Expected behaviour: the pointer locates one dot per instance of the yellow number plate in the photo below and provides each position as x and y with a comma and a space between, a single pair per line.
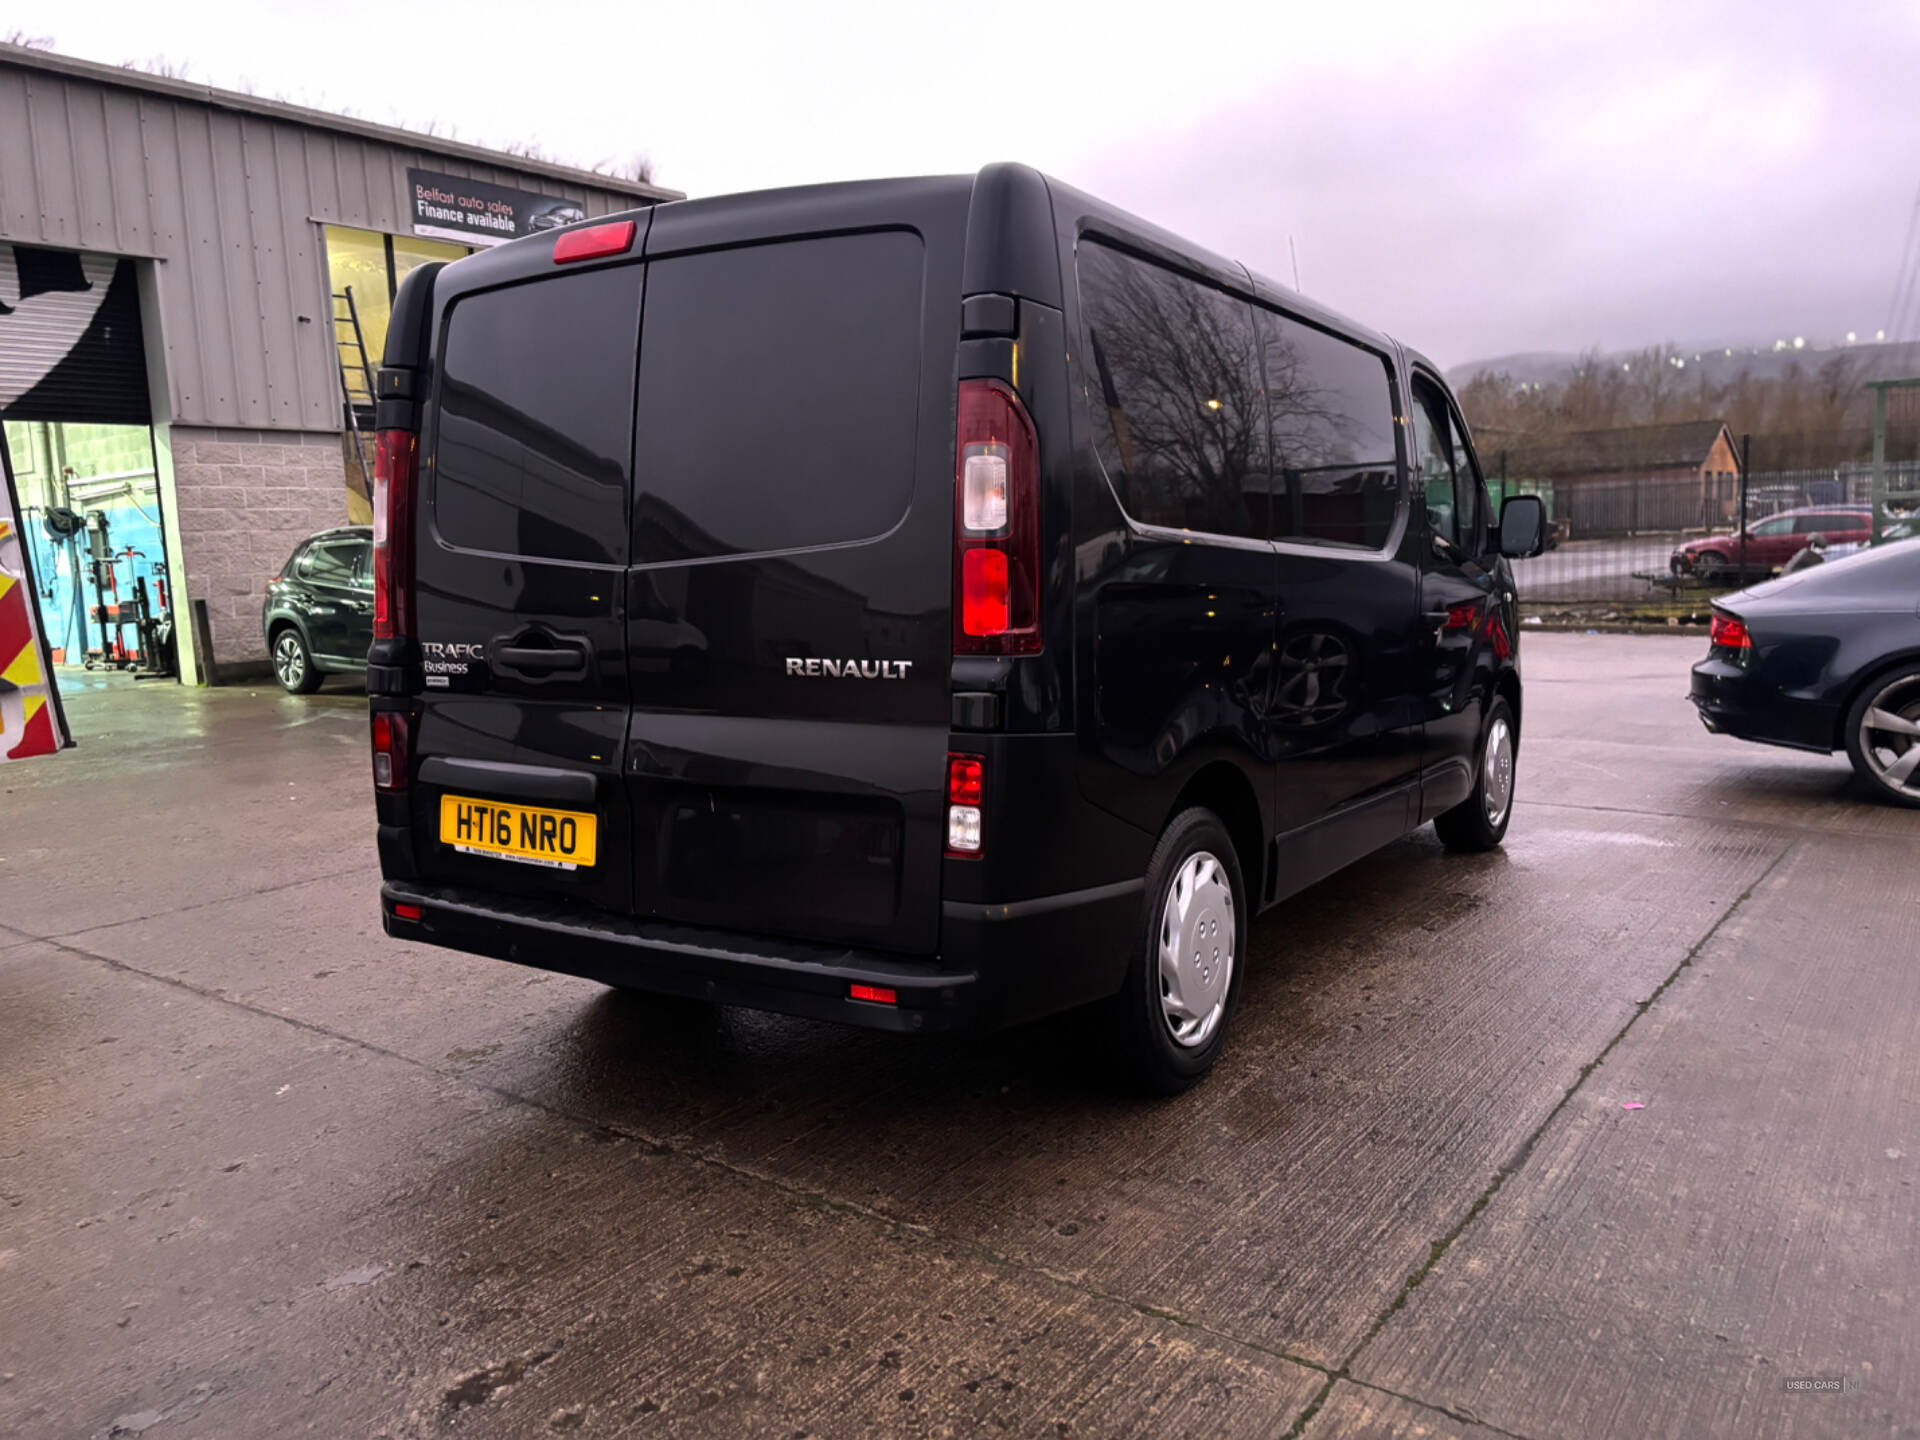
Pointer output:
559, 839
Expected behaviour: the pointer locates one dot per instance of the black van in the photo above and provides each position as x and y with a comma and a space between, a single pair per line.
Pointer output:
916, 603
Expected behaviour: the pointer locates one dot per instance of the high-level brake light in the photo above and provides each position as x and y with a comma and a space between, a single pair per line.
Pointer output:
593, 242
996, 524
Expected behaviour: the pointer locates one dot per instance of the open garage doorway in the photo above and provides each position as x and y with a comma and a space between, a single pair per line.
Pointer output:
75, 401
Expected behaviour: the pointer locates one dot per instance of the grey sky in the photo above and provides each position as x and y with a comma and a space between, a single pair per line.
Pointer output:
1476, 179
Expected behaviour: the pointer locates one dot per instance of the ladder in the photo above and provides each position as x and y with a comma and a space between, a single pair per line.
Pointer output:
356, 375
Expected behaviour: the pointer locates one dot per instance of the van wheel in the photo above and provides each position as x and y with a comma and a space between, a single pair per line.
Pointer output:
293, 667
1479, 822
1171, 1016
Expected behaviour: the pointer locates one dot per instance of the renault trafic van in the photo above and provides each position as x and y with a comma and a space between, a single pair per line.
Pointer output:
917, 603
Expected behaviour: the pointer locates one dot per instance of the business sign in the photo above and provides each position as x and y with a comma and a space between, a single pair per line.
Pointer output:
474, 212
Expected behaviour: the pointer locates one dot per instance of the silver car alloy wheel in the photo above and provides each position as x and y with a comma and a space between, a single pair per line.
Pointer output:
1890, 735
289, 660
1196, 949
1497, 781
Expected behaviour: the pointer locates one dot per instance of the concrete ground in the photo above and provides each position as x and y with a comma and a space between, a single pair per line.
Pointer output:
265, 1172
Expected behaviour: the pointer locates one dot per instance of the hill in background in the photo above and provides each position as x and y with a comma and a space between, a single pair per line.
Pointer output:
1804, 409
1719, 363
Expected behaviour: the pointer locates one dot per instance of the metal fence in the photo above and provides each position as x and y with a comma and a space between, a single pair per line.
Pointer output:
1660, 540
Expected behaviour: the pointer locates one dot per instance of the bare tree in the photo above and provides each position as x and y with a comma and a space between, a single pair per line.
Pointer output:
637, 167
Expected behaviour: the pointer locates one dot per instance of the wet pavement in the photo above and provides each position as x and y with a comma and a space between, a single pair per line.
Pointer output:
263, 1171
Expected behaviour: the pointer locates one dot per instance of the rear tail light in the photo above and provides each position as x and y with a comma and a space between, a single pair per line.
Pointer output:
966, 794
406, 912
396, 468
986, 596
1729, 632
875, 994
389, 750
996, 524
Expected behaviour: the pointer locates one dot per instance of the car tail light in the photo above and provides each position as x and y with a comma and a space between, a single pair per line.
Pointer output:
389, 750
1729, 632
593, 242
406, 912
396, 467
876, 994
966, 795
996, 524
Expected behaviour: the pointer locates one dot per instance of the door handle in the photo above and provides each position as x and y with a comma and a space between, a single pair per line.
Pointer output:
558, 659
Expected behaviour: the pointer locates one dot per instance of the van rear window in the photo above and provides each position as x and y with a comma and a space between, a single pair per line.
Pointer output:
779, 390
1180, 422
535, 417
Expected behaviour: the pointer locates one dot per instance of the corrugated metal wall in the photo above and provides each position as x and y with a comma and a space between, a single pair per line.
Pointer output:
230, 204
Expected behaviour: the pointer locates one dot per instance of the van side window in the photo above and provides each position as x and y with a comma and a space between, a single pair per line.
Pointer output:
536, 417
779, 396
1177, 415
1336, 465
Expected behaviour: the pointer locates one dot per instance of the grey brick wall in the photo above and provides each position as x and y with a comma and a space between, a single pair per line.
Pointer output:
246, 497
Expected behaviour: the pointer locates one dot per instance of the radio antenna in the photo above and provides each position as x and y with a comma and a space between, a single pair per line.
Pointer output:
1295, 256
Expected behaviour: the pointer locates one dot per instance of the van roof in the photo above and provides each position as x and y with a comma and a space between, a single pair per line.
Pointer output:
1012, 214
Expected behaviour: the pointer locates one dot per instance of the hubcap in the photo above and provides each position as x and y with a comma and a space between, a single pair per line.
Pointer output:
1497, 782
1890, 735
1196, 949
288, 663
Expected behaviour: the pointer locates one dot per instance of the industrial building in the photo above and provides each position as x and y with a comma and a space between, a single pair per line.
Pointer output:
194, 288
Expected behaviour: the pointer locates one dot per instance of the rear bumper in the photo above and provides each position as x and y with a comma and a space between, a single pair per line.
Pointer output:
1733, 700
998, 964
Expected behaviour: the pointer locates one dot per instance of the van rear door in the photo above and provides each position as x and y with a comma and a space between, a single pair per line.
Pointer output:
789, 617
521, 533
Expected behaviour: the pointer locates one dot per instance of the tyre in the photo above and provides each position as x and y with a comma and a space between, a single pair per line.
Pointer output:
1883, 736
1711, 566
293, 667
1479, 822
1172, 1014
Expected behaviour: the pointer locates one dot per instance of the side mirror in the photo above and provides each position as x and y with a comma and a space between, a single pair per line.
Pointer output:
1523, 527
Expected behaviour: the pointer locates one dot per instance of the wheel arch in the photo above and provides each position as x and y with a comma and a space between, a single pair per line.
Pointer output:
1866, 680
284, 621
1224, 789
1508, 689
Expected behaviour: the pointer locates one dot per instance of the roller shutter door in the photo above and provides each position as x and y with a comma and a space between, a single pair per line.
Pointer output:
70, 344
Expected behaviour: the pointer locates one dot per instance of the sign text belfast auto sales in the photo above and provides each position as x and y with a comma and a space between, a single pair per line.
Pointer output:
474, 212
478, 212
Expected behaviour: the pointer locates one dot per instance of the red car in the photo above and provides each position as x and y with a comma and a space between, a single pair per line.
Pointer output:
1775, 540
